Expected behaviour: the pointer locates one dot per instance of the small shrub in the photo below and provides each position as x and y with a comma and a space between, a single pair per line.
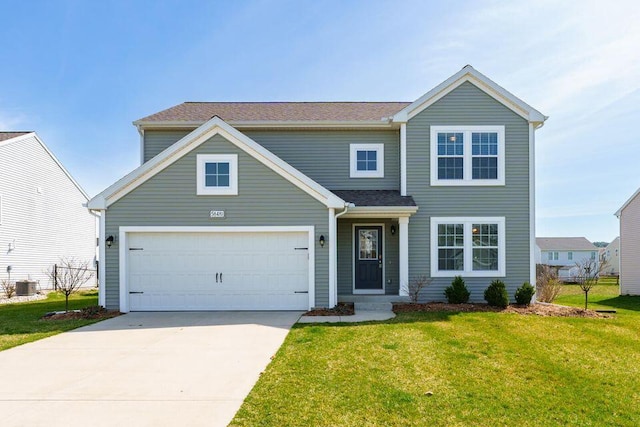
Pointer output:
548, 286
457, 293
496, 294
416, 285
524, 294
8, 288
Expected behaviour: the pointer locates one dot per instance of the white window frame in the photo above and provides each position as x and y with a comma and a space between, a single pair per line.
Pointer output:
202, 189
467, 172
468, 247
353, 160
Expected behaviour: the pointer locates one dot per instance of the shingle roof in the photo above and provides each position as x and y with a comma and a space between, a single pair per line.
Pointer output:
374, 197
9, 135
278, 111
565, 244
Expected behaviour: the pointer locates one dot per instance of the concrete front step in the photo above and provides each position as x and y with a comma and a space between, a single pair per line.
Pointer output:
372, 298
372, 306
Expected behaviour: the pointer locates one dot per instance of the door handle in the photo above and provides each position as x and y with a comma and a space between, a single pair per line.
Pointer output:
216, 277
220, 277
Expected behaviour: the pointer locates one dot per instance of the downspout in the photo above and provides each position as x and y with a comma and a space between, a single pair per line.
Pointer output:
333, 253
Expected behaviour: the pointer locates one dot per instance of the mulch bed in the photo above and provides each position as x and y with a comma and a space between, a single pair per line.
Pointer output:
533, 309
342, 309
93, 312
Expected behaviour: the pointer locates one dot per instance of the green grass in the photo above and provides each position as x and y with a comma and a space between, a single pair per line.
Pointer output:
484, 369
21, 323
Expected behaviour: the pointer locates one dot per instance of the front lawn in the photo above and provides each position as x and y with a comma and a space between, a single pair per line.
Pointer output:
21, 323
481, 369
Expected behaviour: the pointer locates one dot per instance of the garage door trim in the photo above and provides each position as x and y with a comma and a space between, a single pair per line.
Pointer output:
124, 246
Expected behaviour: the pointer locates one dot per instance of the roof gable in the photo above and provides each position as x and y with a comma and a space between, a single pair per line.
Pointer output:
631, 199
470, 74
7, 138
214, 126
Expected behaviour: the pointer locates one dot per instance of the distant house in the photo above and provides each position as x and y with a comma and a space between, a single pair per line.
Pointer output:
564, 253
42, 213
629, 215
612, 257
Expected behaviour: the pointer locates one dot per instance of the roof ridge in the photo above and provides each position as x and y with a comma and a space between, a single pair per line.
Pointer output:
296, 102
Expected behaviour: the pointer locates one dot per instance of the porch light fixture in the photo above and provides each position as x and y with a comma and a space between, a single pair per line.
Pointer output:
393, 230
109, 241
321, 241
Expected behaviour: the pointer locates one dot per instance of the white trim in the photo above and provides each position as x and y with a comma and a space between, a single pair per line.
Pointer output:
353, 161
102, 255
55, 159
380, 211
201, 187
123, 245
1, 208
532, 208
470, 74
467, 179
141, 132
403, 159
333, 249
353, 260
316, 124
619, 211
403, 255
468, 246
215, 126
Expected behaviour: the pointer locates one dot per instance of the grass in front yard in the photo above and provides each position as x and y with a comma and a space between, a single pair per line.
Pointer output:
21, 322
484, 369
604, 296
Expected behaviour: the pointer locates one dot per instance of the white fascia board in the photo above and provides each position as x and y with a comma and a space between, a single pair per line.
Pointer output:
55, 159
468, 73
619, 211
194, 139
270, 124
380, 212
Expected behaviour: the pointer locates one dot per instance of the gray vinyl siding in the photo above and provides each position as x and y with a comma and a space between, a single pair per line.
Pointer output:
468, 105
155, 141
322, 155
264, 199
346, 255
42, 213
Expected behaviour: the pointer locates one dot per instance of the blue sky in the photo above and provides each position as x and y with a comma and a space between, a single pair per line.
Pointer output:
79, 72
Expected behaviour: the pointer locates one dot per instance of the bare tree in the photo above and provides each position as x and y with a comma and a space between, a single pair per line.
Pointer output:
587, 275
69, 275
8, 287
415, 286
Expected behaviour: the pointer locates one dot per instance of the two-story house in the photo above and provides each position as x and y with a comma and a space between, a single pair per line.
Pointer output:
293, 205
566, 253
612, 257
629, 216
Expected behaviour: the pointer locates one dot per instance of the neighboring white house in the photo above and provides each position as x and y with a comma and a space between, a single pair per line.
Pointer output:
629, 215
612, 256
42, 217
565, 253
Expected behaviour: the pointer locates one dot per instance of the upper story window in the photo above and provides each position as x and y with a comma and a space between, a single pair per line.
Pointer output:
570, 256
473, 247
217, 174
366, 160
467, 155
553, 256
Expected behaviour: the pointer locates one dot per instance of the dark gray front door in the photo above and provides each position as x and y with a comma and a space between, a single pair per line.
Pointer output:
368, 259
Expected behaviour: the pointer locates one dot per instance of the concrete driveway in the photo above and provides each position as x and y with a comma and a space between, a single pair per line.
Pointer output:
141, 369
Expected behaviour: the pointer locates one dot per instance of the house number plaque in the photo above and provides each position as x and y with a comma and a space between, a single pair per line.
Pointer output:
216, 214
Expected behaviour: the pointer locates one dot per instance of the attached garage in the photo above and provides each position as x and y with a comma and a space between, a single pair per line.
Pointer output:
216, 268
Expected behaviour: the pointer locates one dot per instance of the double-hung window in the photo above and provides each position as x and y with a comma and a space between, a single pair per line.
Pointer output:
467, 155
366, 160
217, 174
472, 247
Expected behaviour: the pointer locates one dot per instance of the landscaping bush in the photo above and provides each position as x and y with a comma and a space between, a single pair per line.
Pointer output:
496, 294
9, 288
416, 285
524, 294
457, 293
547, 284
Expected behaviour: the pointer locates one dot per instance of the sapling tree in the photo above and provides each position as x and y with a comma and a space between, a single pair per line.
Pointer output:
587, 275
69, 275
8, 287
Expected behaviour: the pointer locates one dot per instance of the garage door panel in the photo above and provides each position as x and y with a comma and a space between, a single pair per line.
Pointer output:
178, 271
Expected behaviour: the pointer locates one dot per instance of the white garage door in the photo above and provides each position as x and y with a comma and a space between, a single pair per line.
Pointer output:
218, 271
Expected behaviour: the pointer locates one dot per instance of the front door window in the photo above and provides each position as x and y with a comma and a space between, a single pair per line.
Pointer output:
368, 244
